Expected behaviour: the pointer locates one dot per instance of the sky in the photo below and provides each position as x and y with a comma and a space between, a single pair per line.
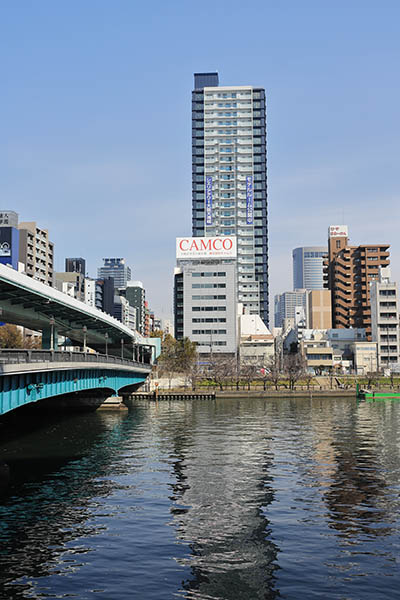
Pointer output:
95, 135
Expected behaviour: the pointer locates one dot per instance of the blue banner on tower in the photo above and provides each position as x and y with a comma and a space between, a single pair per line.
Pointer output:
249, 200
208, 200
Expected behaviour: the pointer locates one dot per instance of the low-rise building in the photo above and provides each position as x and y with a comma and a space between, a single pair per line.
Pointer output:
318, 354
256, 342
364, 357
76, 279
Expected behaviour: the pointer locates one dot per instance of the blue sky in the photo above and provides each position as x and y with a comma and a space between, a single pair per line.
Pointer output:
95, 122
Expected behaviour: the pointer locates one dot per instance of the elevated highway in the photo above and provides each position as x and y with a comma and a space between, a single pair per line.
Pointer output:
29, 303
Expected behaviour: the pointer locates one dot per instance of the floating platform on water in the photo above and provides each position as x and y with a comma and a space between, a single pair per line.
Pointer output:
365, 394
173, 396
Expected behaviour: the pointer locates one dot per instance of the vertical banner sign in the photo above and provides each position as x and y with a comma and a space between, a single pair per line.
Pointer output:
249, 200
208, 200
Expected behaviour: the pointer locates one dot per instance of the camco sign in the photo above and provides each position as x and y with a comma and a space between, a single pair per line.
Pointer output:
338, 231
206, 247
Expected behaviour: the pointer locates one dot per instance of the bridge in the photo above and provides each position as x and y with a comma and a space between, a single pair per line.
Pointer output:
120, 359
65, 380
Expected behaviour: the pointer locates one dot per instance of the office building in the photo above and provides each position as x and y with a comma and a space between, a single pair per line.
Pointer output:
75, 265
117, 269
308, 267
286, 303
385, 319
205, 307
136, 296
348, 273
104, 295
229, 179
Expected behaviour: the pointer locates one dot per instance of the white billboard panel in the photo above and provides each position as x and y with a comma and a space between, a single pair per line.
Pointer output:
338, 231
206, 247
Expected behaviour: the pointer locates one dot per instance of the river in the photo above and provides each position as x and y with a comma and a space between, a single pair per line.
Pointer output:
233, 499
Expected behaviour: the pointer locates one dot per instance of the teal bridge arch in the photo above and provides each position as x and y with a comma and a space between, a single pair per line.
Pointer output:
30, 376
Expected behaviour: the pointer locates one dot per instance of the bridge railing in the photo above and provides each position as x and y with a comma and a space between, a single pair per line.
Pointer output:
9, 356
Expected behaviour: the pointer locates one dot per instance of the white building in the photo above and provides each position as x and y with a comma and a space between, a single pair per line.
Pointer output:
205, 305
256, 341
385, 318
90, 292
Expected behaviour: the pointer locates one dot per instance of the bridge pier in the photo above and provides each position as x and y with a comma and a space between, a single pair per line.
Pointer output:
50, 338
113, 403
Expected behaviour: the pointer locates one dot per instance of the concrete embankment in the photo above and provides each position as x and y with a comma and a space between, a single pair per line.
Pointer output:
206, 395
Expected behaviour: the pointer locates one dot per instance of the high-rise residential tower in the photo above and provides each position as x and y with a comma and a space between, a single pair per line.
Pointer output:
348, 273
229, 179
308, 267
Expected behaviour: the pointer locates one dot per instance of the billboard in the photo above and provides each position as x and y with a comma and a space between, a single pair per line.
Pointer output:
249, 200
206, 247
8, 218
5, 241
338, 231
208, 200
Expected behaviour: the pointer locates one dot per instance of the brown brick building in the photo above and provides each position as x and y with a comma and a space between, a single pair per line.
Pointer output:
348, 271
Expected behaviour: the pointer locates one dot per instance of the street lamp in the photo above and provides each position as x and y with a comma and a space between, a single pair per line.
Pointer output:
122, 348
84, 329
106, 336
52, 323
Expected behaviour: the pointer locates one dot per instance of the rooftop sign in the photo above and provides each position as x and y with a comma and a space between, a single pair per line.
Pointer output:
206, 247
338, 231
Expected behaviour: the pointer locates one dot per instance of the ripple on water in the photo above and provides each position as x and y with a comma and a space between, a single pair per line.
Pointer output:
222, 500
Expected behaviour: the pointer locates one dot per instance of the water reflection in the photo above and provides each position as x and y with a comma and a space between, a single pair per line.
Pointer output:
221, 496
52, 485
217, 500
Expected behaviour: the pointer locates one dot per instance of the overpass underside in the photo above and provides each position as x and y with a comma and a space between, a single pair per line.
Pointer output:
30, 304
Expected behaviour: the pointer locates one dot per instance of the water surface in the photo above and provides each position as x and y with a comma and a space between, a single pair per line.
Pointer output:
214, 500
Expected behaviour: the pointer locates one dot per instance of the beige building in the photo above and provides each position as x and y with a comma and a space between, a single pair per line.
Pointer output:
318, 354
319, 309
364, 357
36, 252
64, 281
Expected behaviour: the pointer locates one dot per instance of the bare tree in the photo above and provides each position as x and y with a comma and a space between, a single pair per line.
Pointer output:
273, 370
221, 369
194, 373
294, 367
248, 372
